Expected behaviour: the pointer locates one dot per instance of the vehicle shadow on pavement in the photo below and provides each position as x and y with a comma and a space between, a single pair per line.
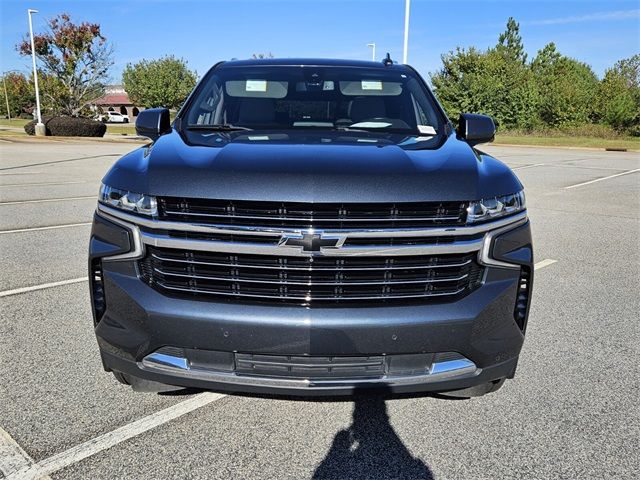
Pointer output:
370, 448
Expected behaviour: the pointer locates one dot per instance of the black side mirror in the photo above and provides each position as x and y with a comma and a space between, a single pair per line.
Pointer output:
153, 122
476, 128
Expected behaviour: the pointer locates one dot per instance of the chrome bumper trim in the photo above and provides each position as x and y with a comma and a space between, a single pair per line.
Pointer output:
179, 367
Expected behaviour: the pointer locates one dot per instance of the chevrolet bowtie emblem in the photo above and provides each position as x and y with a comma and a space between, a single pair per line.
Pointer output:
310, 242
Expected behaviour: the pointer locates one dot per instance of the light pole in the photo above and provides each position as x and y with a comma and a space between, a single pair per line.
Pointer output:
373, 53
40, 130
407, 8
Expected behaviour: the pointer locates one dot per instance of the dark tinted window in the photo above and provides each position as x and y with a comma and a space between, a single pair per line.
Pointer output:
274, 97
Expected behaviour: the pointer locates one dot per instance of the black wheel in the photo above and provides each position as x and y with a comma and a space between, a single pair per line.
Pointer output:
121, 377
126, 120
142, 385
477, 391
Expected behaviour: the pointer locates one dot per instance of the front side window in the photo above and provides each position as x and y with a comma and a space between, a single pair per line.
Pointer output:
312, 97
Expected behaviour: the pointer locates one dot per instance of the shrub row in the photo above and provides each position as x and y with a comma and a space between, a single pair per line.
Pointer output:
69, 127
552, 91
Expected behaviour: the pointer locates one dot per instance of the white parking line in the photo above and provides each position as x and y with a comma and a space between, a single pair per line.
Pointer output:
44, 200
17, 291
603, 178
528, 166
50, 227
40, 184
12, 457
110, 439
544, 263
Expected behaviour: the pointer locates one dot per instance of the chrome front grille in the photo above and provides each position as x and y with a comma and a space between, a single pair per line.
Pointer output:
223, 259
312, 215
309, 280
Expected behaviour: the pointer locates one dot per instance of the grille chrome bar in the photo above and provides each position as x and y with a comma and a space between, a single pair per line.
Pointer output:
159, 240
305, 298
309, 283
276, 232
320, 219
308, 269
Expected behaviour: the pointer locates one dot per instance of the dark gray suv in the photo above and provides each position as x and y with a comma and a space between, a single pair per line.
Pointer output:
311, 227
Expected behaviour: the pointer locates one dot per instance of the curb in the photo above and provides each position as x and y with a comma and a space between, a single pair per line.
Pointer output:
597, 149
132, 139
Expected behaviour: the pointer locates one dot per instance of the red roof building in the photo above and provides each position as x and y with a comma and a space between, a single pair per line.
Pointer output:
116, 100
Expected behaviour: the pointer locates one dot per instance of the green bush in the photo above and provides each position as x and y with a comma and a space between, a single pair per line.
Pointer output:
596, 130
489, 83
69, 127
619, 96
551, 93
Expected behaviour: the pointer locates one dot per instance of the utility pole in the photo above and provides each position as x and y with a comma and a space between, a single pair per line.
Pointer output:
407, 8
373, 53
40, 130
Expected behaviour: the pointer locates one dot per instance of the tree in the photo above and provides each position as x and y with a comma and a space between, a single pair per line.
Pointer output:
510, 43
566, 88
496, 82
486, 82
546, 58
260, 56
75, 59
619, 95
20, 94
164, 82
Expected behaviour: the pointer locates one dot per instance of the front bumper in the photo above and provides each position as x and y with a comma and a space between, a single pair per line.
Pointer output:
133, 321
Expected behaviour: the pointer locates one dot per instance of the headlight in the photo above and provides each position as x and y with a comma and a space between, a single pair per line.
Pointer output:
129, 201
490, 208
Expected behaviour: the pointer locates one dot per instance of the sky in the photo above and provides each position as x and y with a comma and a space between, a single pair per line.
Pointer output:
207, 31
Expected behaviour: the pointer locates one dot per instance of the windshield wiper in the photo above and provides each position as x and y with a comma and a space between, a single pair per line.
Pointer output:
217, 128
376, 130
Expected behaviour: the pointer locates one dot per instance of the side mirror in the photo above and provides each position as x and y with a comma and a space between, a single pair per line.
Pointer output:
153, 122
476, 128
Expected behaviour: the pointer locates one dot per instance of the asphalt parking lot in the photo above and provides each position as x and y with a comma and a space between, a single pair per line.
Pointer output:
571, 412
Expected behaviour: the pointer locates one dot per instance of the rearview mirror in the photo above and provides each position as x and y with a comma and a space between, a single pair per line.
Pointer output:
476, 128
153, 122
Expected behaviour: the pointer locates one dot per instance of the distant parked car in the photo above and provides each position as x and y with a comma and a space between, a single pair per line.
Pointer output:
114, 117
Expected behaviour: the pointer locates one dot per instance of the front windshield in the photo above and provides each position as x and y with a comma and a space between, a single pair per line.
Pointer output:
313, 97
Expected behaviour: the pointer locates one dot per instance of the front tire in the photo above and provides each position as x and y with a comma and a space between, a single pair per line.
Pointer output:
475, 391
142, 385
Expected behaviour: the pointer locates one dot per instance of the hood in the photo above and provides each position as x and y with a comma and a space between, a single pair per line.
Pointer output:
327, 170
